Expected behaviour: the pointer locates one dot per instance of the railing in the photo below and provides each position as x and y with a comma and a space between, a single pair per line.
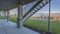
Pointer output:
27, 7
35, 8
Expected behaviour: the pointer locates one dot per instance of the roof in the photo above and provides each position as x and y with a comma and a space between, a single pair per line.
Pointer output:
12, 4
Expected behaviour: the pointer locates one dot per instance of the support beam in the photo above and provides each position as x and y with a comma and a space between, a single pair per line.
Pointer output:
49, 17
4, 14
0, 14
8, 15
20, 16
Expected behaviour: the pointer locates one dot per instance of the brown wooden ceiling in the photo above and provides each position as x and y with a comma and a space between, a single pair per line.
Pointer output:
11, 4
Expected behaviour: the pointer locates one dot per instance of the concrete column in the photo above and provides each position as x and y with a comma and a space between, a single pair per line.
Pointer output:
20, 16
4, 14
0, 14
8, 15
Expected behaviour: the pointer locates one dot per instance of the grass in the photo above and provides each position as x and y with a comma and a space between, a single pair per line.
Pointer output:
13, 19
1, 17
38, 24
41, 24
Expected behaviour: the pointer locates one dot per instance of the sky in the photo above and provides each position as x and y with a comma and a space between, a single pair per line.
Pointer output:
55, 7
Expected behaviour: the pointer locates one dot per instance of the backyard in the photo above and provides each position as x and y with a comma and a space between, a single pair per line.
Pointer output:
40, 24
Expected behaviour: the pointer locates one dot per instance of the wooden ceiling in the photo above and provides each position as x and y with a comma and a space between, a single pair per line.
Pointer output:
11, 4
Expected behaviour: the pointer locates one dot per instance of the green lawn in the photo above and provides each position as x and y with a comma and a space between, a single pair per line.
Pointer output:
13, 19
41, 24
1, 17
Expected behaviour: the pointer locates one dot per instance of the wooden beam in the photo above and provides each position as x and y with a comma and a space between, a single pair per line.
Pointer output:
8, 15
4, 14
20, 16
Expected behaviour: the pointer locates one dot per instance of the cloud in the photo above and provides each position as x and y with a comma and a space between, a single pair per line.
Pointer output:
48, 12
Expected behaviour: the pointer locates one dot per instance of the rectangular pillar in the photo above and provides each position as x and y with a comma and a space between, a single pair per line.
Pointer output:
8, 15
4, 14
0, 14
20, 16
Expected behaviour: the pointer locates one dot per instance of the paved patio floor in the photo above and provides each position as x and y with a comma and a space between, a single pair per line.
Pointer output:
10, 28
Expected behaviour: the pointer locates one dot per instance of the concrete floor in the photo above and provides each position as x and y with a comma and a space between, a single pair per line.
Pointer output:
10, 28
